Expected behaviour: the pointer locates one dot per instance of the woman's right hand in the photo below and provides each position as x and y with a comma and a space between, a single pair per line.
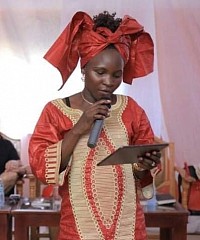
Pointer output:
98, 110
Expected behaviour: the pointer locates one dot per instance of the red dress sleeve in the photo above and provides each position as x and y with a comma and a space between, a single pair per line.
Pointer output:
142, 134
45, 144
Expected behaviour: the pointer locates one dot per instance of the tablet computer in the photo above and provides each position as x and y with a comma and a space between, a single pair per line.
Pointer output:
129, 154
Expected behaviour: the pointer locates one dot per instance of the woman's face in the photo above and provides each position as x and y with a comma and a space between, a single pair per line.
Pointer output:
103, 74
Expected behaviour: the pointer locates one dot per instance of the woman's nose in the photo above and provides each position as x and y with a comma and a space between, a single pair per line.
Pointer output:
108, 80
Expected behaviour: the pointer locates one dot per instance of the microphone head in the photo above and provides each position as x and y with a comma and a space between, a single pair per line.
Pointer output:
108, 105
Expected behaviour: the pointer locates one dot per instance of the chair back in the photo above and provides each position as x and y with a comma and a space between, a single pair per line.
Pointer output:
165, 181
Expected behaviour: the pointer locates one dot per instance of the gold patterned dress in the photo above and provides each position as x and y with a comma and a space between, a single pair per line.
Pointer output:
97, 202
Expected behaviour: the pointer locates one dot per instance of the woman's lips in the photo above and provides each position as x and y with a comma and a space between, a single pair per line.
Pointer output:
105, 94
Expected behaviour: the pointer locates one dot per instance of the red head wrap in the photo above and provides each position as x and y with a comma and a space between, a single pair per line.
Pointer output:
79, 40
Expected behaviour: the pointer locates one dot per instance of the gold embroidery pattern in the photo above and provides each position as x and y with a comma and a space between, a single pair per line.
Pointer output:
72, 114
120, 136
52, 159
81, 208
95, 193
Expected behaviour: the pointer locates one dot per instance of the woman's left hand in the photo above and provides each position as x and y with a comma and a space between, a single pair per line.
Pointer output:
150, 160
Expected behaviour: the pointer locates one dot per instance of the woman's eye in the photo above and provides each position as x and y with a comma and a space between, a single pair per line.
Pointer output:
100, 72
118, 75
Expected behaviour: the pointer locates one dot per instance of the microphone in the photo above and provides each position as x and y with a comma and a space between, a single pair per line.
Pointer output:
95, 132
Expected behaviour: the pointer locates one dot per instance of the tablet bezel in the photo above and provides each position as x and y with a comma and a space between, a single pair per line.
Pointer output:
129, 154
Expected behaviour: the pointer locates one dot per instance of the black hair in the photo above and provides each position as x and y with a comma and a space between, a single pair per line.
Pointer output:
105, 19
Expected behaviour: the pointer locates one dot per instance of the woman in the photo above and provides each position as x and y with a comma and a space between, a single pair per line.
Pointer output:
97, 202
10, 165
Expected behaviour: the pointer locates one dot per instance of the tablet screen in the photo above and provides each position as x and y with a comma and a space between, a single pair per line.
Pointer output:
129, 154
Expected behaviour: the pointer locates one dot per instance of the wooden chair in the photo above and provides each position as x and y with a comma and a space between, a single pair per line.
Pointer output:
165, 181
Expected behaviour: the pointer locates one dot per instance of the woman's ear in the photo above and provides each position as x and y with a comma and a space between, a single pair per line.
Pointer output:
83, 74
83, 71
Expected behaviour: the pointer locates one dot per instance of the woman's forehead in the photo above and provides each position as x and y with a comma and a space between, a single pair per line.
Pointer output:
108, 56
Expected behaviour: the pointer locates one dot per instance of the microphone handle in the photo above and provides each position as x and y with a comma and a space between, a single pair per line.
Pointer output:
94, 135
